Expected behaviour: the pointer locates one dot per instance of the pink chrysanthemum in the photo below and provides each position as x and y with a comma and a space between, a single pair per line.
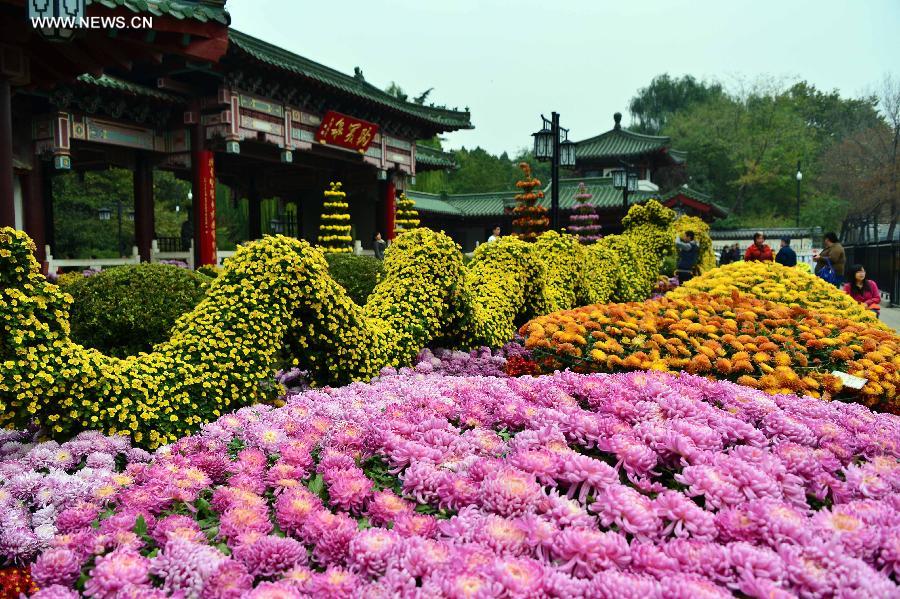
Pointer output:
385, 506
293, 507
334, 583
627, 509
238, 521
349, 490
56, 591
274, 590
184, 565
271, 555
585, 552
56, 566
372, 550
230, 581
418, 525
520, 577
469, 585
177, 527
502, 535
114, 571
510, 492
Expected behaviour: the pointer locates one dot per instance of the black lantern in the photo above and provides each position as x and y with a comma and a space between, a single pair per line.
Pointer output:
130, 215
619, 179
632, 182
567, 153
543, 142
104, 213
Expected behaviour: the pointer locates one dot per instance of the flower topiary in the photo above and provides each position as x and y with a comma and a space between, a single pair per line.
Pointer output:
274, 305
334, 231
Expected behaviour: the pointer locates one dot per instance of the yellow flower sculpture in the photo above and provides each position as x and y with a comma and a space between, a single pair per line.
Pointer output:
274, 303
758, 343
334, 230
407, 217
783, 284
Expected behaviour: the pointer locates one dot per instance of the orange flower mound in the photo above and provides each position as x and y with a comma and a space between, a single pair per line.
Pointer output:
757, 343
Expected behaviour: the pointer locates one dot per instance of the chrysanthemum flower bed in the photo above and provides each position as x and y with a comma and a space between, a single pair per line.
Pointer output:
760, 344
771, 281
640, 484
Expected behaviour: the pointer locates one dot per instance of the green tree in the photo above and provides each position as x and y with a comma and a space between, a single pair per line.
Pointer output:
653, 106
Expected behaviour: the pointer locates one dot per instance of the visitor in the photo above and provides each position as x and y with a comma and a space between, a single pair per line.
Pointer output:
759, 250
495, 236
187, 233
736, 253
786, 255
832, 255
863, 289
726, 257
379, 246
688, 254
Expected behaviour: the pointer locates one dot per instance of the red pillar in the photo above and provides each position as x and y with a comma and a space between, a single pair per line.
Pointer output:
204, 192
144, 219
33, 204
7, 202
390, 208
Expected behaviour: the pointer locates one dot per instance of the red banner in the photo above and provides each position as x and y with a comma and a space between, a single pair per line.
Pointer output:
206, 214
346, 131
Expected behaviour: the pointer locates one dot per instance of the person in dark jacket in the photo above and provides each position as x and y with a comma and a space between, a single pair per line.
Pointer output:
786, 255
688, 255
727, 256
379, 246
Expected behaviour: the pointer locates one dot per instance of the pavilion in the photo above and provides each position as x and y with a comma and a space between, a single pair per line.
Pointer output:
209, 103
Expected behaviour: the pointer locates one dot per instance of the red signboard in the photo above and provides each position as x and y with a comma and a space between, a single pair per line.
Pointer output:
207, 207
346, 131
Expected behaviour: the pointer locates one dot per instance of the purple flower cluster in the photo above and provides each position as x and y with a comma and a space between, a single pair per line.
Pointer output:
49, 488
478, 362
420, 485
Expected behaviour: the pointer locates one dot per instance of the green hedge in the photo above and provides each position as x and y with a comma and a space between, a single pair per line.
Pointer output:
358, 275
126, 310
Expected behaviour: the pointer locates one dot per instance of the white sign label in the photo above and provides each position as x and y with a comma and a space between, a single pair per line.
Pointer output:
850, 381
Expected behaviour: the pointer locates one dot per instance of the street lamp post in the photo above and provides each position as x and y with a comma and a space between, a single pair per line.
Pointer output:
626, 180
552, 143
799, 178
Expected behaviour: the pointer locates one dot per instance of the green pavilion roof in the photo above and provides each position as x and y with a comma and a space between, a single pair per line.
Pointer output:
444, 118
605, 196
432, 158
128, 87
622, 143
198, 10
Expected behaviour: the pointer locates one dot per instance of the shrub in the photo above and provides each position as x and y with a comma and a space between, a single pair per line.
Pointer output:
757, 343
783, 284
358, 275
126, 310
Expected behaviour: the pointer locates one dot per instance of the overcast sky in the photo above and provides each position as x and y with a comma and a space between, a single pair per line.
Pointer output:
509, 61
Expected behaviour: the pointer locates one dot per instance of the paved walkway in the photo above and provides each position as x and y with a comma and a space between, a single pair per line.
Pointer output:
891, 317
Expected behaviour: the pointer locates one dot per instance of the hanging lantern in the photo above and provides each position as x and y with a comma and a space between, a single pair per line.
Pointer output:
543, 143
567, 153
